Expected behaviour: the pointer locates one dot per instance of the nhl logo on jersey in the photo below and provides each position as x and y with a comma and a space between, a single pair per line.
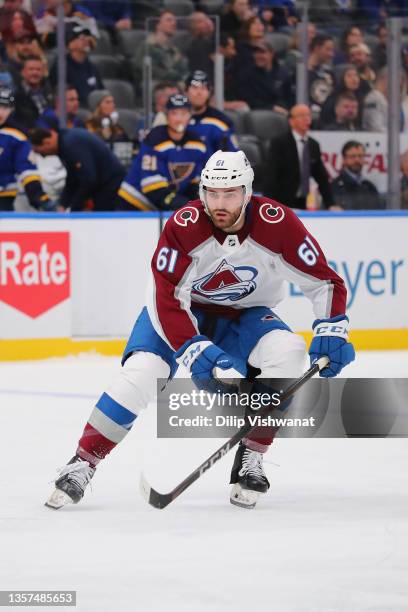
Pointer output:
226, 283
271, 214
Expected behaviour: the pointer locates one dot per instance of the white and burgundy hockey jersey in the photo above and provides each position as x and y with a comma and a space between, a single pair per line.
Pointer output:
198, 265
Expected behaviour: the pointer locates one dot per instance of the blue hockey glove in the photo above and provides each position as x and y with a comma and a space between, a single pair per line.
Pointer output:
330, 338
201, 357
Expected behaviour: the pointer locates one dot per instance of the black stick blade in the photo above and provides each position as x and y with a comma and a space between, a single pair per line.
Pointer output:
154, 498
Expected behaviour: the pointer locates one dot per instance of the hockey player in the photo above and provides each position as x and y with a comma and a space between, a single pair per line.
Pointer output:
17, 169
217, 272
166, 172
214, 127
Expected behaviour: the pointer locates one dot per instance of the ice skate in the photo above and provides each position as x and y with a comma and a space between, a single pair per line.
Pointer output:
71, 483
248, 478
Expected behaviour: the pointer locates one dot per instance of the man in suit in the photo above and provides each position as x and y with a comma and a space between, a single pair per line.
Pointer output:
293, 158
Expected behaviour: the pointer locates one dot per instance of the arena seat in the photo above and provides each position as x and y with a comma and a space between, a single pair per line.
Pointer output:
130, 41
181, 8
103, 44
109, 67
264, 124
122, 92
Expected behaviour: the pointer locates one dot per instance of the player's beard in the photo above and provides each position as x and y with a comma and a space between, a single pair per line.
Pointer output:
223, 219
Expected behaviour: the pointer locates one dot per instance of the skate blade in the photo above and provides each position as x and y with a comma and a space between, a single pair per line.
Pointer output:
58, 500
244, 498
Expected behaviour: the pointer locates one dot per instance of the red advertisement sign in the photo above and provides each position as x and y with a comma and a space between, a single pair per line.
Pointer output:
34, 270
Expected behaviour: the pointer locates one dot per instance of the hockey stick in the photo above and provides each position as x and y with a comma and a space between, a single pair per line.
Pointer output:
161, 500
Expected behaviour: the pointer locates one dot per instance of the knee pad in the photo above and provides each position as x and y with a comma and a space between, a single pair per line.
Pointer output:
279, 354
136, 384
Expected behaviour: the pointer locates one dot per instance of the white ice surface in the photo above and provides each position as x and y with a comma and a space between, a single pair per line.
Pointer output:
330, 536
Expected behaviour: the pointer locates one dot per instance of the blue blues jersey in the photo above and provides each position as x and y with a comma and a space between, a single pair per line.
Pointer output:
17, 169
165, 173
216, 130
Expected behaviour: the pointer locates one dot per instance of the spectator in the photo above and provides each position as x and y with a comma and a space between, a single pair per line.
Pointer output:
168, 63
51, 117
349, 82
111, 14
351, 191
375, 110
351, 36
321, 78
34, 95
23, 45
46, 20
293, 54
104, 119
81, 72
236, 13
16, 165
93, 172
379, 55
228, 51
13, 22
360, 57
251, 35
278, 15
202, 47
166, 172
346, 113
213, 126
161, 93
404, 180
260, 86
293, 158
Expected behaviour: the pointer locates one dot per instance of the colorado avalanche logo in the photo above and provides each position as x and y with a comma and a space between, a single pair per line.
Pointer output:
226, 283
185, 215
271, 214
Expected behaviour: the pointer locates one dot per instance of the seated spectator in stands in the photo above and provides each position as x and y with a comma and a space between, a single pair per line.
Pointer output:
212, 125
379, 54
34, 94
168, 63
81, 72
201, 50
51, 118
166, 172
104, 121
350, 37
360, 57
260, 86
228, 49
294, 52
13, 22
293, 158
46, 20
321, 78
111, 13
93, 172
251, 35
23, 45
278, 15
375, 109
16, 163
349, 82
236, 13
346, 114
351, 191
404, 180
161, 93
